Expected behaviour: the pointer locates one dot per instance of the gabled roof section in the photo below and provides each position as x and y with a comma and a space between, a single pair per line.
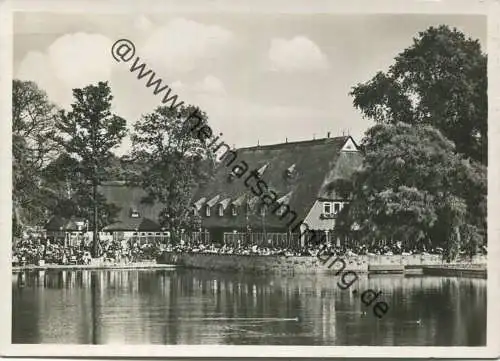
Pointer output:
199, 203
225, 203
240, 200
128, 198
285, 199
313, 162
262, 169
350, 146
213, 201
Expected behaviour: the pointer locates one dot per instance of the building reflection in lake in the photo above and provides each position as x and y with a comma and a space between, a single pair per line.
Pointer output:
200, 307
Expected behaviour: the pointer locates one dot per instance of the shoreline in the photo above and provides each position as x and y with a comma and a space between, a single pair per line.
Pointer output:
276, 264
397, 264
117, 266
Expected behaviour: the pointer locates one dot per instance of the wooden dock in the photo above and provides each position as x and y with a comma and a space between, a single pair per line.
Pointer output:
455, 271
458, 270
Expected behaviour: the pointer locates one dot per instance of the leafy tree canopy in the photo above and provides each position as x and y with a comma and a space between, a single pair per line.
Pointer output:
441, 80
89, 133
34, 120
172, 163
414, 187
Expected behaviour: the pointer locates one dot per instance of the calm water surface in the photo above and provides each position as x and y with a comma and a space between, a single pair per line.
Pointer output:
201, 307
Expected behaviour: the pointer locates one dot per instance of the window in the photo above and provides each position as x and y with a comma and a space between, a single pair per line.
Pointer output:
327, 207
221, 210
134, 213
234, 211
207, 211
336, 207
158, 233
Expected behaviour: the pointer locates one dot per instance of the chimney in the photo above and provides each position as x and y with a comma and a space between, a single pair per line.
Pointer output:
314, 136
328, 135
286, 140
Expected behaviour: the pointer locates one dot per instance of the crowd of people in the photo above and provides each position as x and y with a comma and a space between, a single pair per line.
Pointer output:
39, 249
307, 250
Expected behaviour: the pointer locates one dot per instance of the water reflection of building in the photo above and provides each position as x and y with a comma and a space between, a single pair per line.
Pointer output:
186, 307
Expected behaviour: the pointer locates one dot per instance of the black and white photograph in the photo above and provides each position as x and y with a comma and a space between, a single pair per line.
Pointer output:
196, 176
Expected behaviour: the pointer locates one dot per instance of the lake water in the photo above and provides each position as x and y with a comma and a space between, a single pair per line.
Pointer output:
201, 307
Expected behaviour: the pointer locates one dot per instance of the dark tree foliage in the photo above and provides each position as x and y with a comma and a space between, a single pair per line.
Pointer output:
89, 133
33, 147
170, 163
424, 176
413, 187
441, 80
72, 197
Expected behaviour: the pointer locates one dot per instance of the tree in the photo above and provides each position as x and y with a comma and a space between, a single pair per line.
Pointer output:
89, 134
171, 163
33, 147
441, 80
414, 187
73, 195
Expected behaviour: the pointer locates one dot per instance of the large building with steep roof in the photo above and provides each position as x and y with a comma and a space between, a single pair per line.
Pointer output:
278, 193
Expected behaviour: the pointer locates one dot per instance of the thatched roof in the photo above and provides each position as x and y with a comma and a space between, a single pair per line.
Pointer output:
300, 172
129, 199
58, 223
134, 224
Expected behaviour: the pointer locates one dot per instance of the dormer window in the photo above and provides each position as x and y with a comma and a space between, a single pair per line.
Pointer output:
134, 213
234, 211
290, 172
262, 169
210, 204
221, 210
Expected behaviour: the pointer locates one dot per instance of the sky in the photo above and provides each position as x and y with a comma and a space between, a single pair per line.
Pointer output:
261, 78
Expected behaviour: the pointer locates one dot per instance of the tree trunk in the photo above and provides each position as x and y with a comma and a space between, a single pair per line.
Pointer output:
95, 181
95, 238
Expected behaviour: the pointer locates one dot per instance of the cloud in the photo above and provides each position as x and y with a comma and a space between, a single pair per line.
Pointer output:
143, 24
79, 59
71, 61
182, 44
297, 54
210, 85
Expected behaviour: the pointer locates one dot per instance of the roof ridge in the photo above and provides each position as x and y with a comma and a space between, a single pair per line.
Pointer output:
299, 142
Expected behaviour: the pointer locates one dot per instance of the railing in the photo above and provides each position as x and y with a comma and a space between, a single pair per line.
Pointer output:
269, 239
197, 237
